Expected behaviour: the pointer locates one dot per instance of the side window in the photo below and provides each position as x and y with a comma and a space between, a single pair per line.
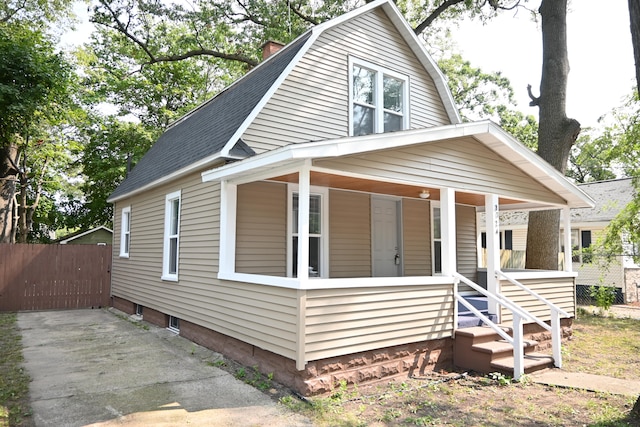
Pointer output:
171, 237
585, 243
508, 239
125, 232
379, 99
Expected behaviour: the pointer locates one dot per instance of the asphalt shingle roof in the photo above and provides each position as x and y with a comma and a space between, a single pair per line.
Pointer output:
206, 130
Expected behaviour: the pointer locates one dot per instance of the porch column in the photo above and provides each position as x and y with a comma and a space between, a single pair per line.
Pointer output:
228, 201
568, 249
492, 225
448, 230
304, 192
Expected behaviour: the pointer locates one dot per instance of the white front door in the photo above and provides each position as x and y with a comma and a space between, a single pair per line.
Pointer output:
386, 245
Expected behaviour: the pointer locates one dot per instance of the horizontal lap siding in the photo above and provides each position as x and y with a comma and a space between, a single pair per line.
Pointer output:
261, 246
349, 234
345, 321
259, 315
559, 291
313, 101
463, 163
416, 237
466, 238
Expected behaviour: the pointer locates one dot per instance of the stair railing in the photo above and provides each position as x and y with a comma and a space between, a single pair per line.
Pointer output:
519, 317
556, 312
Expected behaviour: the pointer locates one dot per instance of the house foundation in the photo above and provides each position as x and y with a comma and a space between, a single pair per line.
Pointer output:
321, 376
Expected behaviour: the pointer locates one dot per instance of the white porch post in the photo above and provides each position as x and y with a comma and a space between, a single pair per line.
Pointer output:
566, 221
304, 192
492, 226
228, 200
448, 230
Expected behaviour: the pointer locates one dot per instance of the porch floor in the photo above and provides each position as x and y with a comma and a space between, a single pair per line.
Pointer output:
466, 318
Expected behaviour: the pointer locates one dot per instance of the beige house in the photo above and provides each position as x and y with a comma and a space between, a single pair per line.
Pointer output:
317, 218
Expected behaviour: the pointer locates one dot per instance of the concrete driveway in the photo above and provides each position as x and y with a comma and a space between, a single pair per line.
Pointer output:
94, 367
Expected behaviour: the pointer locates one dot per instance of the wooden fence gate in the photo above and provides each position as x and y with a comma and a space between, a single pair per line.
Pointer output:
46, 277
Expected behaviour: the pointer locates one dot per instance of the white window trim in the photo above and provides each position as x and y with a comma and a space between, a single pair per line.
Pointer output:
379, 102
323, 192
167, 228
125, 233
435, 205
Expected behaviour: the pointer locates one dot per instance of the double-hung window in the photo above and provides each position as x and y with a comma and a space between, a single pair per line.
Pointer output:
171, 237
379, 99
125, 232
436, 230
317, 233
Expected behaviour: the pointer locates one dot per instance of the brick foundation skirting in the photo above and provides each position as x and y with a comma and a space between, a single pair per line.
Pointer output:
322, 376
319, 376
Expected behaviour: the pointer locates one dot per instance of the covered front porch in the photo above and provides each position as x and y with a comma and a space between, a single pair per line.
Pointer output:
310, 220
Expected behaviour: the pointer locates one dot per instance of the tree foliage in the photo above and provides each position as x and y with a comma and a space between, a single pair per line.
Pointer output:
34, 96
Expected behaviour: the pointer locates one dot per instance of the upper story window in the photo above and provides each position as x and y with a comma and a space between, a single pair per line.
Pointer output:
379, 99
125, 232
171, 236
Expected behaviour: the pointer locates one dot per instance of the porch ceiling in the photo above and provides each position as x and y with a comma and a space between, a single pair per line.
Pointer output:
386, 188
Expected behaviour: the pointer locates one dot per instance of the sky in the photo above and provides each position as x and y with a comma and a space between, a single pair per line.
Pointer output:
599, 45
600, 55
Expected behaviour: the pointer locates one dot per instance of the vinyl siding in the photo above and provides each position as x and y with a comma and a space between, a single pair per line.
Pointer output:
460, 164
264, 316
261, 245
344, 321
416, 237
313, 101
466, 238
560, 291
349, 234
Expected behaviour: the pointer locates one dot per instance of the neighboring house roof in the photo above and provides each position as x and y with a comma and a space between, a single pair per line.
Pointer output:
486, 132
212, 131
80, 234
610, 198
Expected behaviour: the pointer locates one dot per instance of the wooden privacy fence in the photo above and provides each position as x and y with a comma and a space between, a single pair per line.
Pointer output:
46, 277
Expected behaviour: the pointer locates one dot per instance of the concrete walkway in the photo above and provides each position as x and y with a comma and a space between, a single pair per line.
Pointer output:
590, 382
93, 367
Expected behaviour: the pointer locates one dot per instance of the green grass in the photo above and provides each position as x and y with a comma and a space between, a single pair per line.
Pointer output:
14, 382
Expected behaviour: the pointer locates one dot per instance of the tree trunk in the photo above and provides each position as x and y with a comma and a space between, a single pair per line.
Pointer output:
634, 17
556, 132
8, 176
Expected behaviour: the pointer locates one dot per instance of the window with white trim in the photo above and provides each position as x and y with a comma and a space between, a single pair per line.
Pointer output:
171, 237
379, 99
125, 232
436, 241
318, 250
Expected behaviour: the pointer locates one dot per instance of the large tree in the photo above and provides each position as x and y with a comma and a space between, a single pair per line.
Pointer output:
556, 132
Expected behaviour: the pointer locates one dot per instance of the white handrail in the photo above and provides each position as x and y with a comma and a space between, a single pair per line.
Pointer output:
519, 316
556, 312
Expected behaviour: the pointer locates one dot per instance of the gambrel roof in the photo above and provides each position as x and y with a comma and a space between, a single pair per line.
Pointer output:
213, 131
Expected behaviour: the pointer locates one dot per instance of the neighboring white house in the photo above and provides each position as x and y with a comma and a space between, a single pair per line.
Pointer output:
587, 225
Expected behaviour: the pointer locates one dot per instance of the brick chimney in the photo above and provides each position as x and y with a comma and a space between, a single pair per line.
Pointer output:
270, 47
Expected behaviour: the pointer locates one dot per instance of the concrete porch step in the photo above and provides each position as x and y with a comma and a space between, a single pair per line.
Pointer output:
501, 346
532, 362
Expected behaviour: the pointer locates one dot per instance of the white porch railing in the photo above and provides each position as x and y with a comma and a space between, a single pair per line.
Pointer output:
520, 315
556, 312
